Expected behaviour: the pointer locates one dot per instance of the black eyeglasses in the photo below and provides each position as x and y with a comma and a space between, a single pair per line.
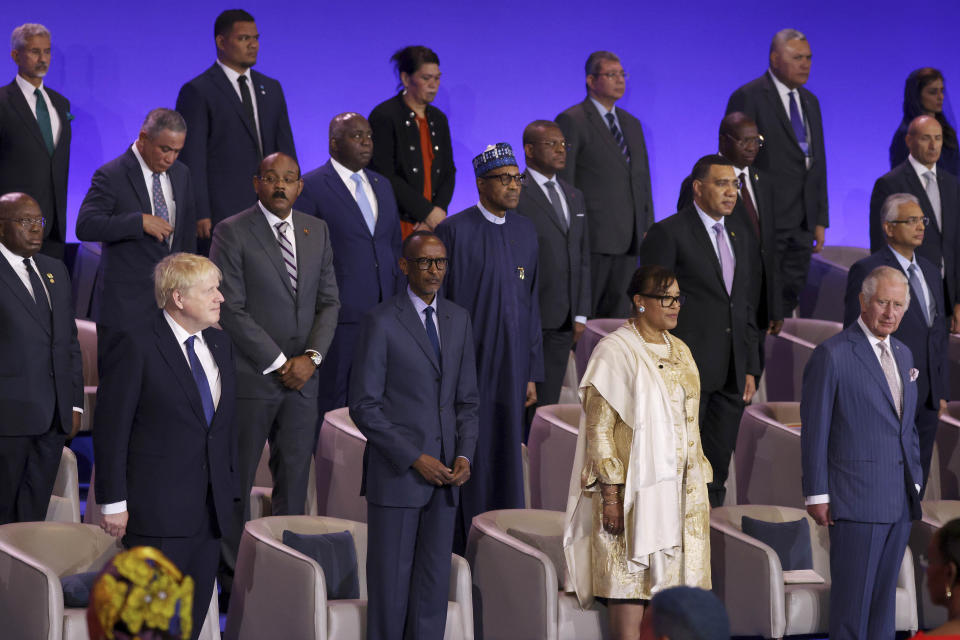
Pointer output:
506, 178
29, 223
912, 221
667, 301
424, 264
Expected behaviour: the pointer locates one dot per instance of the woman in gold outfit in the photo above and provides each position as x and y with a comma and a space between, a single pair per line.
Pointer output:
638, 513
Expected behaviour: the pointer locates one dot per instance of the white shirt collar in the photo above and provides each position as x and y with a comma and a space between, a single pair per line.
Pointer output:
273, 219
874, 340
233, 75
345, 173
708, 222
147, 171
541, 179
15, 261
904, 263
921, 168
28, 88
418, 302
782, 89
603, 110
489, 216
179, 332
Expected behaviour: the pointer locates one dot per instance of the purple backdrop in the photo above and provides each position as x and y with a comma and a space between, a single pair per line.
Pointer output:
505, 64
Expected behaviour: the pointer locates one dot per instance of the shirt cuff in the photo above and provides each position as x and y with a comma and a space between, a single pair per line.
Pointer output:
78, 410
276, 364
918, 488
113, 508
468, 461
580, 319
822, 498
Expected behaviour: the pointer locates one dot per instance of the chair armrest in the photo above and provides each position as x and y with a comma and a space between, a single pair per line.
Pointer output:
89, 408
748, 579
461, 592
906, 580
31, 598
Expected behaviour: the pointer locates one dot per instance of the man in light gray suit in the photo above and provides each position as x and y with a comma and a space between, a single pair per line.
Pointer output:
280, 310
607, 161
861, 456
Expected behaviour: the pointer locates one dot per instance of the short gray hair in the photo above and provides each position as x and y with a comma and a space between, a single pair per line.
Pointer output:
869, 288
784, 36
595, 58
20, 35
891, 206
162, 119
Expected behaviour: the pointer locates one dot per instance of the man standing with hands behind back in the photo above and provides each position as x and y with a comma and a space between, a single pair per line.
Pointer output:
413, 394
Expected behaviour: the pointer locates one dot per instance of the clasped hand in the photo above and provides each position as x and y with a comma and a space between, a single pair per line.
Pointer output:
438, 474
295, 372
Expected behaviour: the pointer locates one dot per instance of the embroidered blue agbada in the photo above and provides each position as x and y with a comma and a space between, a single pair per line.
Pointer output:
493, 274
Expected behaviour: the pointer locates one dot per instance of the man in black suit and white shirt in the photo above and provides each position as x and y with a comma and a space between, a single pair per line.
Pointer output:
792, 158
708, 250
35, 135
608, 163
558, 211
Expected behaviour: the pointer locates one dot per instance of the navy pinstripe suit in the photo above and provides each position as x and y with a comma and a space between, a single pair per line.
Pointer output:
856, 449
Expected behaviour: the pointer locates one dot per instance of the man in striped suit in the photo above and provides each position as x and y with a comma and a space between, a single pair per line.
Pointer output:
861, 456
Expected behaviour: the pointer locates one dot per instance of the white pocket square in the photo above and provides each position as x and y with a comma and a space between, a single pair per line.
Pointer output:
914, 374
579, 215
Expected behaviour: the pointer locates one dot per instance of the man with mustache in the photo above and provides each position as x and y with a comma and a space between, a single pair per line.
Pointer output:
35, 135
361, 213
280, 309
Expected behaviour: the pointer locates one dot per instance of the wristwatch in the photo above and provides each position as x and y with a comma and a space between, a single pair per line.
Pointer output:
314, 356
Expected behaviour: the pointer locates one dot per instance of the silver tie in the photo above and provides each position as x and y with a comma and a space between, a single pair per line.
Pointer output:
933, 193
286, 250
893, 380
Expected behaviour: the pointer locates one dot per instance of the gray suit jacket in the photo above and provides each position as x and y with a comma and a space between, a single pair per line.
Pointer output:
261, 313
618, 196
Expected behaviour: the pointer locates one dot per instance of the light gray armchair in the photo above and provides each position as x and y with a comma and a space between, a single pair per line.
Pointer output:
748, 578
65, 501
596, 330
768, 455
517, 591
339, 459
827, 282
280, 593
87, 337
261, 493
788, 353
551, 447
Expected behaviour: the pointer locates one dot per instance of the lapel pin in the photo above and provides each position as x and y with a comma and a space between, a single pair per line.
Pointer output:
263, 91
521, 273
50, 278
733, 235
306, 231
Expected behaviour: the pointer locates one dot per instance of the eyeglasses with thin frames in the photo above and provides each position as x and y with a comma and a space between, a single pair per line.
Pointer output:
29, 223
273, 180
912, 221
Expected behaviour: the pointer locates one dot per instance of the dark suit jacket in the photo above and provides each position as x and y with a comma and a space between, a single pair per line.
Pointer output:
853, 445
397, 156
937, 243
564, 256
261, 312
151, 440
712, 323
25, 163
407, 403
799, 194
928, 344
111, 214
365, 266
764, 245
618, 195
41, 370
221, 147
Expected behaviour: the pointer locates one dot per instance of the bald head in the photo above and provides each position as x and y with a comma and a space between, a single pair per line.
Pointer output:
739, 139
21, 224
351, 140
925, 140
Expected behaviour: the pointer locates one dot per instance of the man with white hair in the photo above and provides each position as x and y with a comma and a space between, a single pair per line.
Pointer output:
925, 323
35, 144
792, 157
860, 456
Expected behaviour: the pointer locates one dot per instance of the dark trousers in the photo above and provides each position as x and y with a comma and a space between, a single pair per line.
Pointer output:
927, 423
408, 568
864, 563
720, 413
556, 355
794, 248
28, 470
609, 278
196, 556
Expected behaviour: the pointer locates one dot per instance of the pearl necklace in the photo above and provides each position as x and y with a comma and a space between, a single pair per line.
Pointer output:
666, 339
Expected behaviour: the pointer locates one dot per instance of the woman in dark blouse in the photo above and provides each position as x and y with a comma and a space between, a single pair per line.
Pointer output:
411, 142
924, 96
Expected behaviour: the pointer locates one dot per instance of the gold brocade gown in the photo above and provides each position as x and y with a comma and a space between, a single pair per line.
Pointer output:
608, 454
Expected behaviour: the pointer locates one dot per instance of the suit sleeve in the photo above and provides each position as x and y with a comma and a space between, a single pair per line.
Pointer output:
328, 301
76, 355
368, 378
685, 199
816, 415
658, 248
644, 174
584, 308
574, 142
284, 131
468, 397
823, 210
880, 193
188, 209
99, 221
740, 101
247, 335
851, 299
193, 107
383, 162
535, 327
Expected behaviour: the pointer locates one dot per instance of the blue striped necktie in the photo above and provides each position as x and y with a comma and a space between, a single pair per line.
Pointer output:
286, 250
618, 136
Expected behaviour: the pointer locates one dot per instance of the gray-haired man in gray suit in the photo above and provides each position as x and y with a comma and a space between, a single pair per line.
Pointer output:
281, 306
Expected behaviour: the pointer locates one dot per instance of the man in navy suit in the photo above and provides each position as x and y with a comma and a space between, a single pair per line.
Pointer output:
35, 135
360, 210
861, 456
164, 436
924, 325
413, 394
40, 362
140, 205
236, 117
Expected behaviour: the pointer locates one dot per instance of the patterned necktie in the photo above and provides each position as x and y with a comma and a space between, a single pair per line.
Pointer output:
286, 250
363, 202
555, 201
43, 119
618, 136
890, 373
748, 202
933, 193
247, 100
200, 379
159, 202
432, 332
918, 293
797, 123
39, 293
726, 258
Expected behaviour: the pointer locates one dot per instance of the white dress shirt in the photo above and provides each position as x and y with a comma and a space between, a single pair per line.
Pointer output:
905, 265
28, 90
232, 76
708, 222
165, 186
273, 220
491, 217
210, 370
351, 186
